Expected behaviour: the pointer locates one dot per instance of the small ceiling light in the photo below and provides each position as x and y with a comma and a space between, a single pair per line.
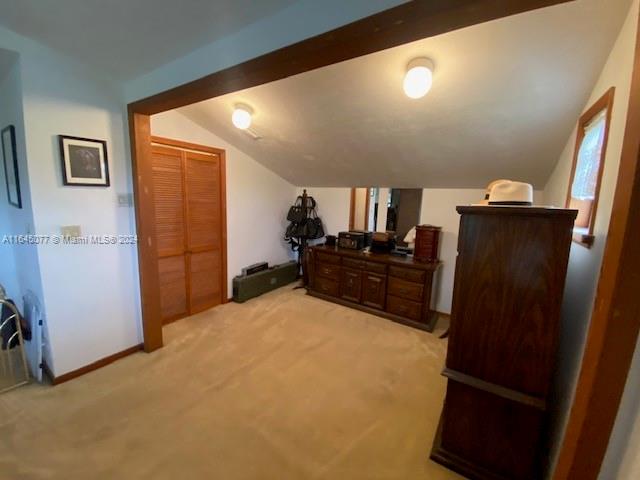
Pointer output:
241, 117
419, 78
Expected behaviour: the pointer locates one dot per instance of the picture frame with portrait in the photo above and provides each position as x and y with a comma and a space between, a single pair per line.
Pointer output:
84, 161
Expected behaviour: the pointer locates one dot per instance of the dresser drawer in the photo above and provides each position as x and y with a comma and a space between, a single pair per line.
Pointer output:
351, 263
404, 308
410, 274
328, 258
327, 286
404, 289
328, 271
375, 267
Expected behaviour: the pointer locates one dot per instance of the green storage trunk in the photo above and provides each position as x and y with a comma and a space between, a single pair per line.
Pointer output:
246, 287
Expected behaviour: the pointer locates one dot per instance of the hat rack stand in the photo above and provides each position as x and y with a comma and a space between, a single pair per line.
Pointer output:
299, 242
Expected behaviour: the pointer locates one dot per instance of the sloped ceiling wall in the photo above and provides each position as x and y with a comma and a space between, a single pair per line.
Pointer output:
505, 99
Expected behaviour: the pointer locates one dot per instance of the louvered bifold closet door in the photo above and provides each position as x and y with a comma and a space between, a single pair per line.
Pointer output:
203, 191
169, 212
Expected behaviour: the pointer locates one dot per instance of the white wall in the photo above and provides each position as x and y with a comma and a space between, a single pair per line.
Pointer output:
584, 264
439, 208
89, 293
10, 114
257, 199
19, 270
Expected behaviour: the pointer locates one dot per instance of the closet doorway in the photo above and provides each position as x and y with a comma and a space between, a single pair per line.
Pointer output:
190, 221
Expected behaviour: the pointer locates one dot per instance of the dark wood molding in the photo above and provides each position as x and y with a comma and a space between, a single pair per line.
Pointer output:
603, 103
91, 367
615, 322
367, 205
499, 390
405, 23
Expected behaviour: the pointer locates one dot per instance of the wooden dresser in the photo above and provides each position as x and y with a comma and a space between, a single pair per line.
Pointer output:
509, 281
393, 287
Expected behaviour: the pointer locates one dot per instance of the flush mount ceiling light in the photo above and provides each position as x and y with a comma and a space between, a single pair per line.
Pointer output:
419, 78
241, 117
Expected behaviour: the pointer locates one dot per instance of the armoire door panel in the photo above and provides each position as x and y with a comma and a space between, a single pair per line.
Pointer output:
205, 280
173, 287
168, 200
510, 277
203, 192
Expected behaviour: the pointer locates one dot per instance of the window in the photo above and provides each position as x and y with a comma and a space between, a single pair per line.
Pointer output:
588, 164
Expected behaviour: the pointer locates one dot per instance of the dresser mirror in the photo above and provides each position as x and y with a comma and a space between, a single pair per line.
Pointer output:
380, 209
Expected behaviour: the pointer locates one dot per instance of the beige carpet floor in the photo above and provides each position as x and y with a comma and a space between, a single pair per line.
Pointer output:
282, 387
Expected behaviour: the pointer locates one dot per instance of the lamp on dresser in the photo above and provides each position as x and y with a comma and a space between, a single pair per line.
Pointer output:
509, 281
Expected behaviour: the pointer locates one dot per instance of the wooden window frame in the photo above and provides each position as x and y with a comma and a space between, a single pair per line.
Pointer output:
604, 103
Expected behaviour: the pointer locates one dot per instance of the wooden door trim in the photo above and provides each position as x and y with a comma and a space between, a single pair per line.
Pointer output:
352, 209
367, 205
615, 322
142, 167
181, 144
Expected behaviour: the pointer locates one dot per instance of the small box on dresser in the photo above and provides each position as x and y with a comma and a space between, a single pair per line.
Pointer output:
509, 281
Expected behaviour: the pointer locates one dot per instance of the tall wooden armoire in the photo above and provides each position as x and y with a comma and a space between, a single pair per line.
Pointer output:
509, 281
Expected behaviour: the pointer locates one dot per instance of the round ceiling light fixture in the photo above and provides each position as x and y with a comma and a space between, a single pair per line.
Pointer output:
419, 77
241, 117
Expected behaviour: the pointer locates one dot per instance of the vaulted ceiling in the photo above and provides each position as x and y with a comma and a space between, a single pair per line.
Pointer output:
505, 99
126, 38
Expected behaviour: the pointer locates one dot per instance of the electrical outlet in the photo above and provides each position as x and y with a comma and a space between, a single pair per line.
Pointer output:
71, 231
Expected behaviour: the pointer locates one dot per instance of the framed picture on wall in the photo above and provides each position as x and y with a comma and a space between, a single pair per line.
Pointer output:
84, 161
10, 161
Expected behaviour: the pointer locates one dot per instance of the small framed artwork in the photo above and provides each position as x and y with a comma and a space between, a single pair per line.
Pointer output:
84, 161
10, 161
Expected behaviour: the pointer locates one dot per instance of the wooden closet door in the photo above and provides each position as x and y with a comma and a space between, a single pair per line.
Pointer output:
169, 212
204, 216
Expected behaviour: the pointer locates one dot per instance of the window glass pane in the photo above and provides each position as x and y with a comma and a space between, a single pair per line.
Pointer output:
588, 164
